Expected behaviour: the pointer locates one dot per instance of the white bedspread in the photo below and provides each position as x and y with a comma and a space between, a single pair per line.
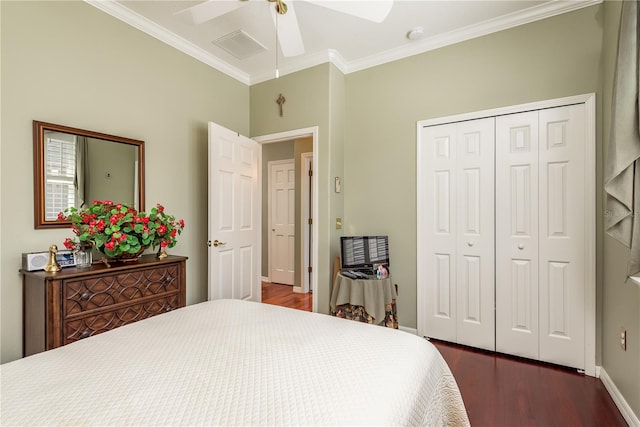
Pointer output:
230, 362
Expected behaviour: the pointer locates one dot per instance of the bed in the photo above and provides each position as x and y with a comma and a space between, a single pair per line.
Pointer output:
230, 362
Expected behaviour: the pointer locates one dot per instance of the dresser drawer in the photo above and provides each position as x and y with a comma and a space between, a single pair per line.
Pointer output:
91, 293
84, 327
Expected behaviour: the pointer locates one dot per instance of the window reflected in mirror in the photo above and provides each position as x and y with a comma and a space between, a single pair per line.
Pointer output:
73, 167
60, 170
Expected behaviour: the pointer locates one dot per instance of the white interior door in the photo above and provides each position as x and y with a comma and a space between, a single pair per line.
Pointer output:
517, 234
282, 238
475, 233
234, 215
437, 228
562, 238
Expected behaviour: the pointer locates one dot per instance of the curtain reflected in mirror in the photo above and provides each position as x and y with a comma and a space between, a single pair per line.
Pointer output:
73, 167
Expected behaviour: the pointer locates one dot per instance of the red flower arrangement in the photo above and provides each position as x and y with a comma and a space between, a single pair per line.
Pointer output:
118, 230
167, 228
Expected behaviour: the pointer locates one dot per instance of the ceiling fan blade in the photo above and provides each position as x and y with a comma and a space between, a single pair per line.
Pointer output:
208, 10
289, 35
371, 10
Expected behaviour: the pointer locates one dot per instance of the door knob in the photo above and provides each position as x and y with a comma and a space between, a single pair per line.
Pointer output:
217, 243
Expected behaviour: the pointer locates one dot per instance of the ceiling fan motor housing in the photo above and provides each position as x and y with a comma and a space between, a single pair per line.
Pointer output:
281, 7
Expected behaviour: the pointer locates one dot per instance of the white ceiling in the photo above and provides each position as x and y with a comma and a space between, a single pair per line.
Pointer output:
351, 43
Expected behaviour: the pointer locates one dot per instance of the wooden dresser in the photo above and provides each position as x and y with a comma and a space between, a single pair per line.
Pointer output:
75, 303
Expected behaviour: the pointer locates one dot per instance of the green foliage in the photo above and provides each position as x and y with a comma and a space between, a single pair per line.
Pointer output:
119, 230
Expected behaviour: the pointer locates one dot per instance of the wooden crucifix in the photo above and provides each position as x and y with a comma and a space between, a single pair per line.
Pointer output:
281, 100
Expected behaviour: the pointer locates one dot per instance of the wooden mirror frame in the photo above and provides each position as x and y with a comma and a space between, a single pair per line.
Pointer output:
39, 128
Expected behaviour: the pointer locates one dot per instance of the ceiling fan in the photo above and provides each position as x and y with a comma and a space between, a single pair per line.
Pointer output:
284, 16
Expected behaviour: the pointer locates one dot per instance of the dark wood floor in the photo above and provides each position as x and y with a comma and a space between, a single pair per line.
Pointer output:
276, 294
500, 390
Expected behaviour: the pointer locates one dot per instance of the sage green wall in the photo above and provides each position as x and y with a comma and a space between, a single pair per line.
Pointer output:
307, 105
70, 63
552, 58
337, 100
270, 152
108, 176
621, 301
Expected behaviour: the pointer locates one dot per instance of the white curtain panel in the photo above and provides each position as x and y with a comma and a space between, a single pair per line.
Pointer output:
622, 170
81, 176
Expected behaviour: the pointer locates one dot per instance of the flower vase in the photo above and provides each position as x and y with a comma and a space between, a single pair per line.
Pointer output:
83, 257
162, 253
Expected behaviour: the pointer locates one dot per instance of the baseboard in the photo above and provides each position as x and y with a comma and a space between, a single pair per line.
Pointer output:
619, 400
410, 330
265, 279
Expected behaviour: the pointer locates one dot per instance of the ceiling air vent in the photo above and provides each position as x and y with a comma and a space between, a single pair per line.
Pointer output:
239, 44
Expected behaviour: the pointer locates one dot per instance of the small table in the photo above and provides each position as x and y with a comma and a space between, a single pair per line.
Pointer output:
365, 300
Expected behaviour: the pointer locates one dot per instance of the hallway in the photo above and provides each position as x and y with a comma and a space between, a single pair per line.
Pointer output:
283, 295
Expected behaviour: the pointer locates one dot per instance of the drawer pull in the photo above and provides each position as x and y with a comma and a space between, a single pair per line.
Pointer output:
168, 279
168, 308
85, 296
85, 334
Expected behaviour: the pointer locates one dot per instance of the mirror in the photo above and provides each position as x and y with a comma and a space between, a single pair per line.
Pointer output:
74, 167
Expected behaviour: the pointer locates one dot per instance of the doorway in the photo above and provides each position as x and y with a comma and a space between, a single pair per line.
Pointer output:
311, 135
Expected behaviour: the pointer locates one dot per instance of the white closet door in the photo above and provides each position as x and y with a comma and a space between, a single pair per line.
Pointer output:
475, 233
562, 235
542, 275
437, 222
456, 221
517, 234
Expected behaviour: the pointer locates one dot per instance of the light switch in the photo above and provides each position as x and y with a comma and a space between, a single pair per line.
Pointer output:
338, 223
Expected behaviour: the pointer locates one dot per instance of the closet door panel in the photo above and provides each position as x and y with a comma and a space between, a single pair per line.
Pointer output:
437, 248
475, 233
562, 235
517, 234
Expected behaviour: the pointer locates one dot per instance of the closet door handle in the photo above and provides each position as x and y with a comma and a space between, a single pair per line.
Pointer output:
469, 244
521, 246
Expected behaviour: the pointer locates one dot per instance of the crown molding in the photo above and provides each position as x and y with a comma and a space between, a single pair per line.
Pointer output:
532, 14
302, 62
338, 61
154, 30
